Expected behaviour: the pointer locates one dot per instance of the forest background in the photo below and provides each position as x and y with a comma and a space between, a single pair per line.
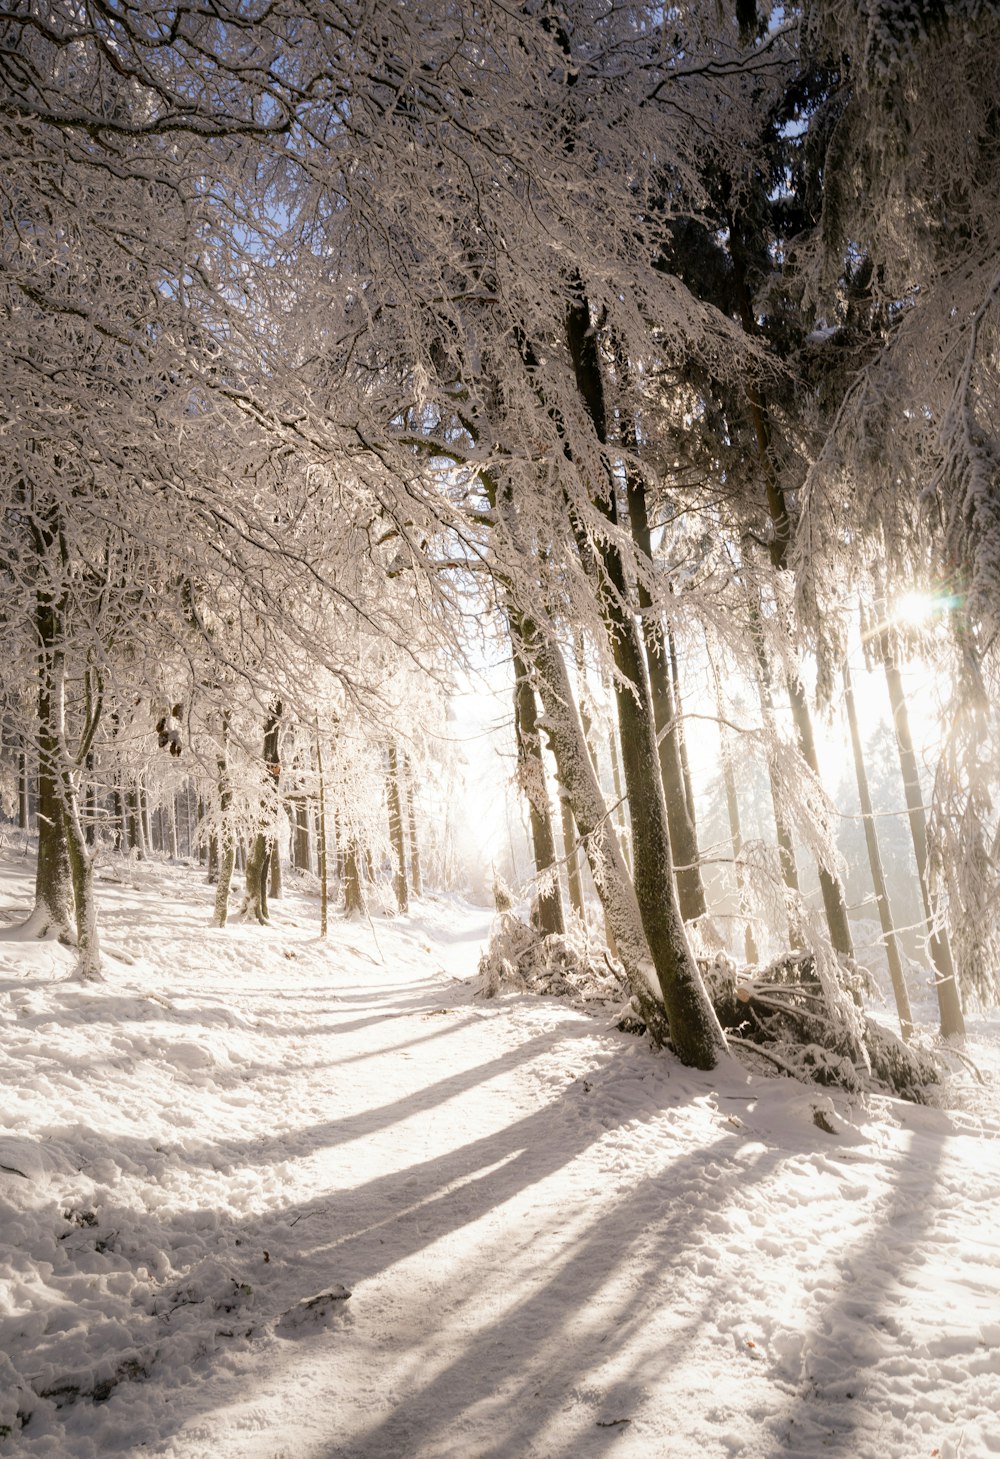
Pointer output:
652, 351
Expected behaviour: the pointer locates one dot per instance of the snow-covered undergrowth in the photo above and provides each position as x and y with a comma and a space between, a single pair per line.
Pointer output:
266, 1197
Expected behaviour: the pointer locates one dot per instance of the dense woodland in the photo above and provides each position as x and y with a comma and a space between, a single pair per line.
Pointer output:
652, 349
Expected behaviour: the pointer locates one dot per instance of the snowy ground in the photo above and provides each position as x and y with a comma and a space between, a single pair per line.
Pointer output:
557, 1244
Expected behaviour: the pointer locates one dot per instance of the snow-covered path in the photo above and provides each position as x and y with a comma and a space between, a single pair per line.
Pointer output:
558, 1244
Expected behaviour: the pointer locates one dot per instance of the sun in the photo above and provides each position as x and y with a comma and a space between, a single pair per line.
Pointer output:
914, 609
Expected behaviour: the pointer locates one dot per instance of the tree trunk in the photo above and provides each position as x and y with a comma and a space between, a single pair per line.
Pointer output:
223, 844
259, 858
324, 880
949, 1003
829, 884
90, 802
146, 830
733, 811
415, 871
782, 828
396, 841
574, 883
354, 900
678, 707
303, 858
669, 733
54, 910
274, 888
547, 913
22, 789
889, 938
172, 849
694, 1029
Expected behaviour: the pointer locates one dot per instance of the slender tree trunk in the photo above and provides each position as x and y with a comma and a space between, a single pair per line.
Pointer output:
90, 802
733, 811
119, 816
574, 883
682, 749
415, 871
303, 858
54, 909
259, 857
224, 843
829, 884
22, 788
274, 888
324, 879
694, 1027
946, 983
396, 841
672, 751
782, 827
172, 849
889, 938
779, 545
145, 829
547, 913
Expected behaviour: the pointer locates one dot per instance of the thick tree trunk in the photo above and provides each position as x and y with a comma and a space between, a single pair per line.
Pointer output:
396, 841
415, 872
255, 894
547, 913
946, 983
875, 862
